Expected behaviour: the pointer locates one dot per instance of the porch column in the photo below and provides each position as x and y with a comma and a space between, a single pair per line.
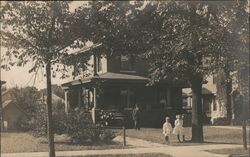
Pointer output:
66, 101
94, 97
95, 108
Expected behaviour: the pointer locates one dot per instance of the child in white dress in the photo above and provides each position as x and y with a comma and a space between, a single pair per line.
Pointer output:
178, 129
167, 129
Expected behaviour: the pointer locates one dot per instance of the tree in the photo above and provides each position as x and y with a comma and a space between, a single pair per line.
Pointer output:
26, 98
39, 32
190, 41
181, 40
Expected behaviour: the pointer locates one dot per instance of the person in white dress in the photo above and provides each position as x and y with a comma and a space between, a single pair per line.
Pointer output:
178, 129
167, 129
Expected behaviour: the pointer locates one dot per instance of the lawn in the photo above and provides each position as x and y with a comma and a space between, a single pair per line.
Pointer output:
24, 142
130, 155
211, 135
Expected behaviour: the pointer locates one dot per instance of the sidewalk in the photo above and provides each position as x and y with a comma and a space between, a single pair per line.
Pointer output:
142, 146
230, 127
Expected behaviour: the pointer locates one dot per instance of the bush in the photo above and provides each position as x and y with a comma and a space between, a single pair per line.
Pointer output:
77, 124
37, 124
105, 118
82, 130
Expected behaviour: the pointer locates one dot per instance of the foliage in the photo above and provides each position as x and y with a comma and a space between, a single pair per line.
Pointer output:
106, 117
183, 41
77, 124
38, 124
81, 128
26, 98
39, 32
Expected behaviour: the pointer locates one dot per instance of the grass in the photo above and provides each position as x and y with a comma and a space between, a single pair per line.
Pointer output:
24, 142
211, 136
130, 155
233, 152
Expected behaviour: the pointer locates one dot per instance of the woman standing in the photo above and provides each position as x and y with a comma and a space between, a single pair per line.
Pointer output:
136, 117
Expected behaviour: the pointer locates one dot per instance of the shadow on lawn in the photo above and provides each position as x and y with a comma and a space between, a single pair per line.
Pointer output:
97, 143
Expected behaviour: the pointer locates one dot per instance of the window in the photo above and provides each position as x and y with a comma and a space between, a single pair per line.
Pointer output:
99, 63
127, 98
127, 62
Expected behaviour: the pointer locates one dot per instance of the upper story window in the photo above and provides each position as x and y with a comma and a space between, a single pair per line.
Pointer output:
127, 62
99, 64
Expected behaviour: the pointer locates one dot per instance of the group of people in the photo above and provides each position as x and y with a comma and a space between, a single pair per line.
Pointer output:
167, 128
178, 129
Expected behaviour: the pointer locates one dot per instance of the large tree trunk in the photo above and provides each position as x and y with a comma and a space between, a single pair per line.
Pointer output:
49, 110
197, 126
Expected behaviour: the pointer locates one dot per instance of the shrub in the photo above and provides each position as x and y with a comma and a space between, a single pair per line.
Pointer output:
77, 124
82, 130
105, 118
38, 123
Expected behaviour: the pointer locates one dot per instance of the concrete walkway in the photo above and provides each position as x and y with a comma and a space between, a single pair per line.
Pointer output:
142, 146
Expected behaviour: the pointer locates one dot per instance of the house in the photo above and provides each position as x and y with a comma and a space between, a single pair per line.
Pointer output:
215, 109
117, 84
12, 113
209, 106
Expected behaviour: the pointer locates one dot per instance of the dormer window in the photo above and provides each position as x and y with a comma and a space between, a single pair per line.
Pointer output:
127, 62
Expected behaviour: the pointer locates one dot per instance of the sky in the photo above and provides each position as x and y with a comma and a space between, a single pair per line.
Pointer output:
20, 77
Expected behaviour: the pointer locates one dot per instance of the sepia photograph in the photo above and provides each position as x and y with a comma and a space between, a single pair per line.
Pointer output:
125, 78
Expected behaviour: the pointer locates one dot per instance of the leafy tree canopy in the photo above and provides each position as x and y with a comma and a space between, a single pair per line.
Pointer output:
26, 98
38, 32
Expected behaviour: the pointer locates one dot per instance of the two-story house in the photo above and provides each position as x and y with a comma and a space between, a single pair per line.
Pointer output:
118, 83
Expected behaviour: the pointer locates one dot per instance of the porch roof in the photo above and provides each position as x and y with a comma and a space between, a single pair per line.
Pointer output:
107, 76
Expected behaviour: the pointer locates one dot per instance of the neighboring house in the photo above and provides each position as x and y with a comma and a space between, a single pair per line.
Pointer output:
118, 83
209, 106
12, 113
214, 110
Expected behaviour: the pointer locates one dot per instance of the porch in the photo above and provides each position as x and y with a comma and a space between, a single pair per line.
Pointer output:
120, 92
